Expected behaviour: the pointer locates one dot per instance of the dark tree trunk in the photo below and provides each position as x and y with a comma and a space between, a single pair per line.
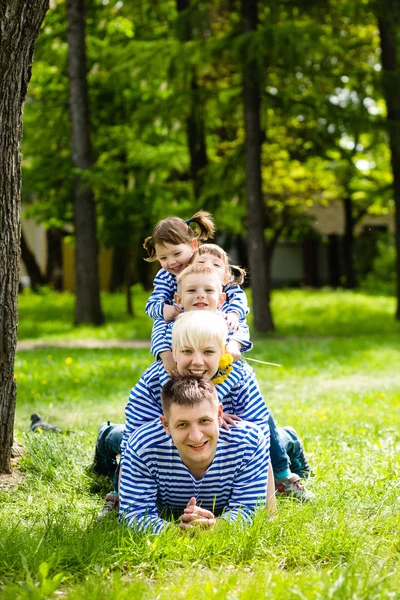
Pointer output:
19, 27
87, 308
29, 260
195, 122
350, 277
388, 29
258, 263
334, 260
118, 268
54, 267
310, 262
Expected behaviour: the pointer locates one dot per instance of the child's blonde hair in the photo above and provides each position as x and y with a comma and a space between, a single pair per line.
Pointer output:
195, 327
197, 270
237, 273
175, 231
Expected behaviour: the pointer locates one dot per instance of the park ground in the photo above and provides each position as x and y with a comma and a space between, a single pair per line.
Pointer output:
339, 386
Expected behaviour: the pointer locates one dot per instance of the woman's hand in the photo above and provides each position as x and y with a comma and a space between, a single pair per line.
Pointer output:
228, 419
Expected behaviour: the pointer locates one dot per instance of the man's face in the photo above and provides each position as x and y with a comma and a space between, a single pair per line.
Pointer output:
174, 258
201, 360
200, 291
194, 431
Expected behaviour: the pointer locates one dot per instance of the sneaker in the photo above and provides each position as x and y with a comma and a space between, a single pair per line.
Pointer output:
111, 503
292, 486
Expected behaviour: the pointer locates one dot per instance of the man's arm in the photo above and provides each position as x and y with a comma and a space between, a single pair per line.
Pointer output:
249, 487
138, 495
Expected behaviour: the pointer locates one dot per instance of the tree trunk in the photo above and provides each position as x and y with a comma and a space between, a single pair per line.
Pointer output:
29, 260
350, 281
54, 267
195, 122
87, 308
391, 86
19, 27
260, 278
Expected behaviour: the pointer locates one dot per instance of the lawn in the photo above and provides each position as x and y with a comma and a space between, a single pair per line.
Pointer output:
339, 386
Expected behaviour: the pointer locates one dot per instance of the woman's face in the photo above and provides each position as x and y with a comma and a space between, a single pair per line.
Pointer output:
200, 361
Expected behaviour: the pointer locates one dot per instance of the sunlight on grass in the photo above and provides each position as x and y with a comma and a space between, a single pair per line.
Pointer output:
341, 392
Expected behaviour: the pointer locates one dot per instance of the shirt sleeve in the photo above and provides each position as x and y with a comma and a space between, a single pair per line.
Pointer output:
144, 405
161, 337
249, 489
237, 301
163, 293
138, 495
248, 403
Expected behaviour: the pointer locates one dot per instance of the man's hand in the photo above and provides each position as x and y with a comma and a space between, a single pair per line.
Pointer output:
195, 516
232, 319
233, 348
170, 312
228, 419
169, 363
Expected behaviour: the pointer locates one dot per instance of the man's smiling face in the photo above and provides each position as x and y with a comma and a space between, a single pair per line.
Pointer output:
194, 431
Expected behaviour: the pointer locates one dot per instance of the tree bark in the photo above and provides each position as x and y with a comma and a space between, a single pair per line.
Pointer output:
19, 28
388, 28
258, 263
350, 278
87, 308
29, 260
195, 126
54, 266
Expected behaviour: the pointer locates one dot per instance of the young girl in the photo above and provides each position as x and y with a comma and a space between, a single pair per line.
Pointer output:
172, 243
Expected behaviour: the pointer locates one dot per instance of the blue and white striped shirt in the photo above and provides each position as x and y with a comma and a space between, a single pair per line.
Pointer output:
165, 288
161, 337
155, 481
239, 395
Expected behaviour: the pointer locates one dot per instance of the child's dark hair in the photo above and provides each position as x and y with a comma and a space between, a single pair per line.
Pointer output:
187, 390
175, 231
237, 273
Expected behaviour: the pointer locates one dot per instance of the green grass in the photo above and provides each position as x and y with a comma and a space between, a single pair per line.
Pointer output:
339, 386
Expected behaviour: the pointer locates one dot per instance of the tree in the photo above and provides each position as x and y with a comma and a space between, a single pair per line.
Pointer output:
19, 28
255, 203
388, 13
87, 305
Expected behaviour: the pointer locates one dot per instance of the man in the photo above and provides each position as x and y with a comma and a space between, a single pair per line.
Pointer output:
186, 466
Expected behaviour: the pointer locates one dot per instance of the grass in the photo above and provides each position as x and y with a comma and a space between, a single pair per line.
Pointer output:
339, 386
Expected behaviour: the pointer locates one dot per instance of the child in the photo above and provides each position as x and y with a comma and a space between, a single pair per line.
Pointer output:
173, 243
199, 287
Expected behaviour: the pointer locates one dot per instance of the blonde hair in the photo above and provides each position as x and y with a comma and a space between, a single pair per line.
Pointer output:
175, 231
197, 270
197, 327
237, 273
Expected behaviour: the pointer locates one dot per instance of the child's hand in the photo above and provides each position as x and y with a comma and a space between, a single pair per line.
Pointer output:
233, 321
169, 363
228, 419
233, 348
170, 312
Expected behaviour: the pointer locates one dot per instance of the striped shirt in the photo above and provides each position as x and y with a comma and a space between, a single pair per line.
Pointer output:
239, 395
155, 482
161, 336
165, 288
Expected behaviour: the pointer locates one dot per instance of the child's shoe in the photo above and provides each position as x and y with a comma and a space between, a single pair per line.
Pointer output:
111, 503
292, 486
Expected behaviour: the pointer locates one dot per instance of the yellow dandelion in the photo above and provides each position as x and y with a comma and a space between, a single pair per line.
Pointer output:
69, 361
323, 418
49, 357
362, 431
44, 381
76, 380
225, 360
